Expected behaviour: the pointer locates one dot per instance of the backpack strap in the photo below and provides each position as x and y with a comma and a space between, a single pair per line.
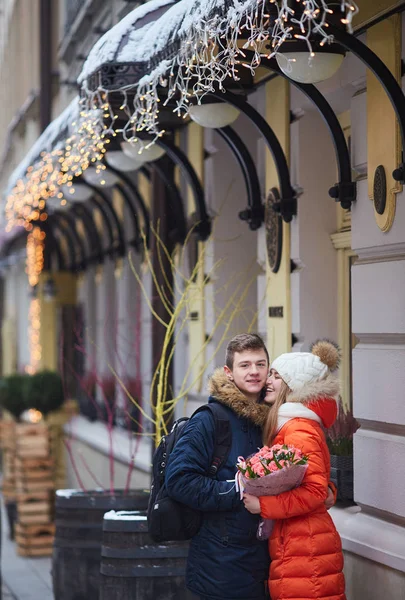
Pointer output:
223, 435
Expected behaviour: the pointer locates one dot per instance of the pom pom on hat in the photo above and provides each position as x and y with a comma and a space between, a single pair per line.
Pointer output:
299, 369
328, 353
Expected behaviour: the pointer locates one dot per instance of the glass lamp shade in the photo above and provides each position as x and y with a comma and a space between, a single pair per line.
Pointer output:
77, 192
213, 115
122, 162
102, 179
137, 151
306, 68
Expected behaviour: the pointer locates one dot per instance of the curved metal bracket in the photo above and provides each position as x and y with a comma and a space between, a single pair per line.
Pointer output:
345, 191
136, 242
71, 225
101, 201
177, 213
86, 218
203, 227
140, 201
385, 77
254, 214
51, 243
288, 201
54, 223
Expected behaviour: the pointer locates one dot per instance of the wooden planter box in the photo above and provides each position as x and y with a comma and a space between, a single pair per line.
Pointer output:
34, 486
341, 474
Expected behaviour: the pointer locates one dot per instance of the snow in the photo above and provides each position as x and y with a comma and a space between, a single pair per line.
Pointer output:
123, 515
109, 47
160, 34
67, 493
46, 141
126, 43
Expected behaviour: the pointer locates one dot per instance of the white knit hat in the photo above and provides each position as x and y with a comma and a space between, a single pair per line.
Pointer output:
300, 368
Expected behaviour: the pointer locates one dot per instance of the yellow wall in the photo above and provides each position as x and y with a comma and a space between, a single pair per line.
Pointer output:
196, 329
369, 9
278, 284
65, 284
383, 138
9, 345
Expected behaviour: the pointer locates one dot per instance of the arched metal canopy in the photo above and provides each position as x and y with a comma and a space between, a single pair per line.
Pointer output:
254, 214
114, 227
287, 206
178, 222
52, 246
54, 225
345, 190
139, 200
203, 226
78, 243
385, 77
95, 246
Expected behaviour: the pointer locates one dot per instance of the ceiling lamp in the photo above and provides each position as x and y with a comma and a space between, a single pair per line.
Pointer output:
122, 162
103, 178
213, 115
303, 66
77, 192
138, 151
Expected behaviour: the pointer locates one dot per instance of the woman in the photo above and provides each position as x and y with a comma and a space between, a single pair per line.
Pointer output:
305, 548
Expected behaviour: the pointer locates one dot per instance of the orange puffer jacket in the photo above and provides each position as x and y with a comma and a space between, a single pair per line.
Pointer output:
305, 548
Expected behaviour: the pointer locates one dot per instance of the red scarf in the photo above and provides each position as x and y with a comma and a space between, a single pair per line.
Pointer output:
325, 408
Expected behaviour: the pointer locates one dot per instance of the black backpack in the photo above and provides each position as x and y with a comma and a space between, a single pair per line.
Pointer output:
169, 520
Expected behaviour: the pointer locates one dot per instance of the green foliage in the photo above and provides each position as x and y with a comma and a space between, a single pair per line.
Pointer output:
45, 391
340, 446
340, 436
13, 393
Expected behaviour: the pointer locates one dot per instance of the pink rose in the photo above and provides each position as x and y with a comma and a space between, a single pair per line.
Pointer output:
268, 455
259, 470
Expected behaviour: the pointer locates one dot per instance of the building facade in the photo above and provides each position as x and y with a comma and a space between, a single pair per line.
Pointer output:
339, 272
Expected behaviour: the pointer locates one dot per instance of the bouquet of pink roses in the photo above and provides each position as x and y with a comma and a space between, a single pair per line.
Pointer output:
270, 472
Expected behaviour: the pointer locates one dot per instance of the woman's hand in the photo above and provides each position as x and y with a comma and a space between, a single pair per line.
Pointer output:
330, 499
252, 504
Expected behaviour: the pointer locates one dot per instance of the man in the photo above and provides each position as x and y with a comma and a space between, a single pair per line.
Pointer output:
226, 561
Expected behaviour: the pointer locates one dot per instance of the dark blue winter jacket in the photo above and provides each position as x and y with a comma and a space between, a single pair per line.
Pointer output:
226, 561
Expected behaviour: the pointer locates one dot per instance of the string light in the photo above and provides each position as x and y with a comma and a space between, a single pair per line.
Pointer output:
85, 146
34, 268
209, 54
34, 316
211, 50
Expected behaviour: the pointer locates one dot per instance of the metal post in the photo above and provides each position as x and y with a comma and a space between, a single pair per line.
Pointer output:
163, 275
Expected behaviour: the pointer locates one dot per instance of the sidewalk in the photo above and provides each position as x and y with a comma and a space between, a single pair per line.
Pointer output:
23, 578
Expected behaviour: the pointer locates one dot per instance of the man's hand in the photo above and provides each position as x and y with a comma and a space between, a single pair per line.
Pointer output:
330, 499
252, 504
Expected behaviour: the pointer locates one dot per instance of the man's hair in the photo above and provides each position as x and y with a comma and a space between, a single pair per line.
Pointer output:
241, 343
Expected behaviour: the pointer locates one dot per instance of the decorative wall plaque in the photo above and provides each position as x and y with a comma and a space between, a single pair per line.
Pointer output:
274, 230
380, 190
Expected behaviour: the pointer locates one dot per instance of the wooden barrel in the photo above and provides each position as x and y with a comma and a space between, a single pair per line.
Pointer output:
134, 567
78, 536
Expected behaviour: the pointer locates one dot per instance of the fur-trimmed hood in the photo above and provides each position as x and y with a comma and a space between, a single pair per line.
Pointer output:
226, 392
328, 388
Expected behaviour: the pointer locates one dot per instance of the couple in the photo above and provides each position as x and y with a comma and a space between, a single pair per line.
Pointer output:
288, 405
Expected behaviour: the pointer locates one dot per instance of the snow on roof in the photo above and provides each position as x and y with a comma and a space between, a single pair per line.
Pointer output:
135, 39
111, 47
46, 141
